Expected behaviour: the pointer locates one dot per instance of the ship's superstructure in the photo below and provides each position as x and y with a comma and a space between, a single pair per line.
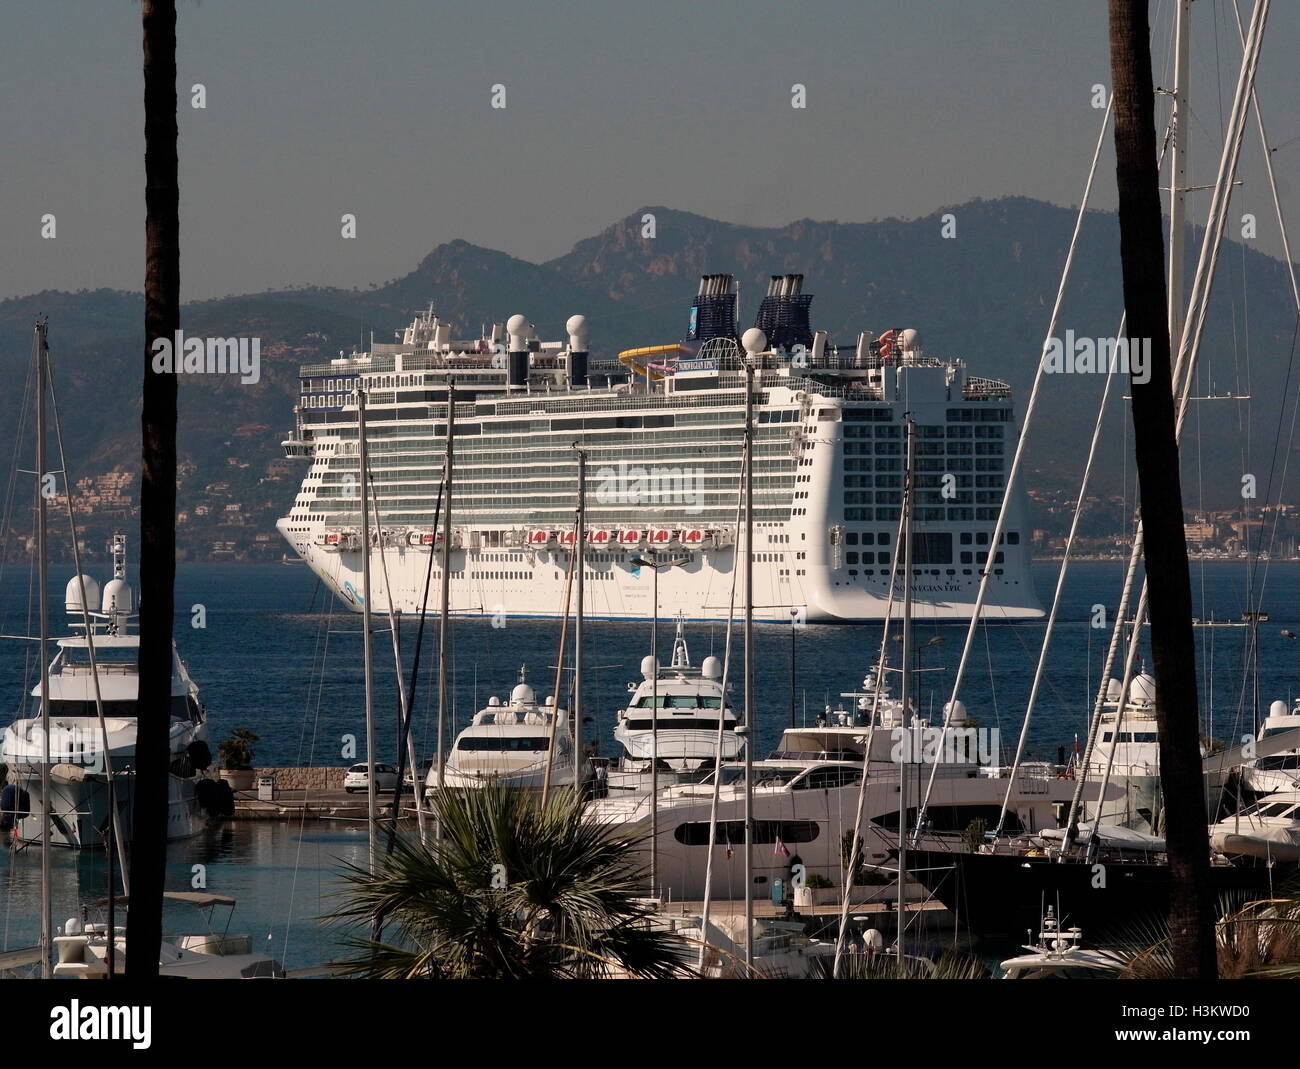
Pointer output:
663, 431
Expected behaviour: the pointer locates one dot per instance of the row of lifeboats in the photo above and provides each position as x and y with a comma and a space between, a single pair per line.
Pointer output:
337, 541
600, 537
690, 537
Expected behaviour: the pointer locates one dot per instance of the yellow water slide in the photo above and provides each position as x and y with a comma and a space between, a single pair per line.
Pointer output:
638, 360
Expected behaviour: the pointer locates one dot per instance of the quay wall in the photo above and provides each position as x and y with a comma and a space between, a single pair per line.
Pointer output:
320, 778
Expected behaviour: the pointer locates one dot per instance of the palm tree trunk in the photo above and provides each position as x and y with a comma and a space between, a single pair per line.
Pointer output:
1191, 922
157, 492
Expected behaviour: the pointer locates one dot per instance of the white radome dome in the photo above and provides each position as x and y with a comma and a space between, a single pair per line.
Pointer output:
711, 668
1142, 689
117, 596
648, 667
72, 595
523, 694
576, 327
754, 341
1277, 709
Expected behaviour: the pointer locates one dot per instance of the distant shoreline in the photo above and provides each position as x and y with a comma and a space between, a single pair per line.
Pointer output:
1191, 560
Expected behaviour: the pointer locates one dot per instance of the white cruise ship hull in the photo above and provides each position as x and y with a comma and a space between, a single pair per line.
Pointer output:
699, 591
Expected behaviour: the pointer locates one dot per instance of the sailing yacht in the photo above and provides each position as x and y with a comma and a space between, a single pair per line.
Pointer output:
689, 702
80, 778
511, 742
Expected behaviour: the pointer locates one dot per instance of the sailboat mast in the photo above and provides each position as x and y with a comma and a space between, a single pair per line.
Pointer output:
755, 342
42, 586
580, 536
1178, 156
372, 819
906, 679
444, 624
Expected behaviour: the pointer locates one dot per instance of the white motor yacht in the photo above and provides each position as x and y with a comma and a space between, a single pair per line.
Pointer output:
1059, 955
1277, 772
673, 713
1269, 829
511, 743
79, 775
82, 949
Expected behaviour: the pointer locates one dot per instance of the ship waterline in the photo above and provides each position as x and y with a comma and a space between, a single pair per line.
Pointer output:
662, 430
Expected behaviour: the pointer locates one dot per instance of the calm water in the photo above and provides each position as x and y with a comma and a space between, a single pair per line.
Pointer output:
277, 657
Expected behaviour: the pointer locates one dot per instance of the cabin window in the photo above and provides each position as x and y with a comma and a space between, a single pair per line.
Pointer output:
696, 833
504, 743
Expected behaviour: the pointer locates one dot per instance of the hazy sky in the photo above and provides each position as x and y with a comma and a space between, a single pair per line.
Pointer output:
383, 109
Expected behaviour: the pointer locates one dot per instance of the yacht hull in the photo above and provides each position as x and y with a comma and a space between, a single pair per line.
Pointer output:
80, 810
997, 895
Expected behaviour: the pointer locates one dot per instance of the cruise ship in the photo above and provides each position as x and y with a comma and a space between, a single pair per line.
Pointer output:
662, 428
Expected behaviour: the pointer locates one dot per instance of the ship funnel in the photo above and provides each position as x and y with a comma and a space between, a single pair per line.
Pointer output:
784, 314
575, 361
713, 312
517, 327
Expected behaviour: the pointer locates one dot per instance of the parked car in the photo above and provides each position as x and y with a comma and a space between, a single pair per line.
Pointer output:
419, 775
356, 778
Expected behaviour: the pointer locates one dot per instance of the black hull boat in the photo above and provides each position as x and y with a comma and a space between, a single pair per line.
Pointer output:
998, 895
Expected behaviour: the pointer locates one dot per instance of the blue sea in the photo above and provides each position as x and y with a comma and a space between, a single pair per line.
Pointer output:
278, 656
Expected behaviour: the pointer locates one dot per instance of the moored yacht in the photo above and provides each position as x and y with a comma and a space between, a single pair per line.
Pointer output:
79, 776
673, 714
805, 800
1134, 740
1268, 830
1059, 954
511, 743
1277, 772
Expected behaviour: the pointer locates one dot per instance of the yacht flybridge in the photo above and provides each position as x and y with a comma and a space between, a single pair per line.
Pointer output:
673, 714
90, 762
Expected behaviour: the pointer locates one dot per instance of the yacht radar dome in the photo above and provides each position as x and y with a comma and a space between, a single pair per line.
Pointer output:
117, 597
523, 694
72, 595
711, 668
1142, 689
648, 666
1274, 709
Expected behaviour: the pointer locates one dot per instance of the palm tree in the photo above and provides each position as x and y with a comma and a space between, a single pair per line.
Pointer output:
514, 889
1252, 940
157, 492
1191, 921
